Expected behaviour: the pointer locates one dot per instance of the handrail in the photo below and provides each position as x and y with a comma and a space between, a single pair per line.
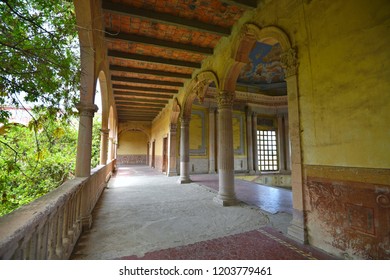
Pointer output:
49, 227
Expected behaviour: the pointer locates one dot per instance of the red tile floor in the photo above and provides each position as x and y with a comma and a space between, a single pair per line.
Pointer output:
263, 244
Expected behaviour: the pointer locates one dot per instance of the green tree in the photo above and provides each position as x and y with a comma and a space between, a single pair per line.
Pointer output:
35, 159
38, 54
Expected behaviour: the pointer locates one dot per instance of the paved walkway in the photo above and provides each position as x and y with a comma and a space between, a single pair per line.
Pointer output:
145, 215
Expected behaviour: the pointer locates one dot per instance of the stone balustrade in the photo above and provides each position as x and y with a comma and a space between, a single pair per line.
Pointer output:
49, 227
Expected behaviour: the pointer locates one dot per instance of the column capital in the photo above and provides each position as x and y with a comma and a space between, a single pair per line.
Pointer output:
185, 121
289, 62
105, 131
86, 109
225, 99
172, 128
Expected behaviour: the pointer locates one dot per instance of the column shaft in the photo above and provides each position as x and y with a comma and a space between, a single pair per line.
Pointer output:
185, 151
84, 142
226, 194
104, 143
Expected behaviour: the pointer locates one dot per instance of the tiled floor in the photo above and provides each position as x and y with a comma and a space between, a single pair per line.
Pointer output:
270, 199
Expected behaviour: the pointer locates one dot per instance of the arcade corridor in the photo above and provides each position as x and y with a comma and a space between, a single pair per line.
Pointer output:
146, 215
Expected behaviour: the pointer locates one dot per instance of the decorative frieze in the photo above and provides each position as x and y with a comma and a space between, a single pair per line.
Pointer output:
225, 99
289, 62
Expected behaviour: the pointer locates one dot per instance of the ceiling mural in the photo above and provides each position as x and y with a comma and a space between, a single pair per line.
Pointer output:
264, 65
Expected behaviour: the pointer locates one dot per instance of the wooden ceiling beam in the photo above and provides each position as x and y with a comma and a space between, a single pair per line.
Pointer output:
152, 59
133, 38
146, 81
150, 72
141, 94
169, 19
137, 99
146, 89
246, 4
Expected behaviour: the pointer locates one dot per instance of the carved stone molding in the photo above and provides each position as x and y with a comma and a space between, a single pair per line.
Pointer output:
383, 200
225, 99
105, 131
289, 62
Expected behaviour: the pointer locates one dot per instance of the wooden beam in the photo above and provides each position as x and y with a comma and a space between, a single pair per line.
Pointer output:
246, 4
137, 99
133, 38
146, 89
138, 106
169, 19
153, 59
146, 81
141, 94
142, 104
150, 72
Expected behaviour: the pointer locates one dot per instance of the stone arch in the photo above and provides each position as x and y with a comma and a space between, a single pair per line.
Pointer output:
245, 40
198, 88
135, 127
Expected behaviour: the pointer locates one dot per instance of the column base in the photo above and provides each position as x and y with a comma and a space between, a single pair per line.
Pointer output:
212, 172
226, 201
297, 228
251, 172
172, 174
184, 180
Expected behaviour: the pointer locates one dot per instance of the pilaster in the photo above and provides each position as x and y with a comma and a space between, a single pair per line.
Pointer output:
249, 138
212, 141
172, 150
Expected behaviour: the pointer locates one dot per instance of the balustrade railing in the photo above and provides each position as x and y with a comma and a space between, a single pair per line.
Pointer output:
49, 227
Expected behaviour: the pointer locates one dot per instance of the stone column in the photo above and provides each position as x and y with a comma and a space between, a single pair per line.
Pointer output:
226, 194
110, 149
297, 228
185, 151
249, 138
104, 146
212, 141
255, 150
172, 150
84, 142
281, 145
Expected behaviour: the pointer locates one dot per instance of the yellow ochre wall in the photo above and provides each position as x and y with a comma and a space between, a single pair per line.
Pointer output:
160, 130
133, 143
345, 108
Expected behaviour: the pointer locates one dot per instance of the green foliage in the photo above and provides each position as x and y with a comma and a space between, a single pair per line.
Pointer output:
96, 138
35, 159
38, 54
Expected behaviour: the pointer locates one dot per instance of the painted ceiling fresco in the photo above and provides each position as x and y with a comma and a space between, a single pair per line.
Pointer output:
264, 66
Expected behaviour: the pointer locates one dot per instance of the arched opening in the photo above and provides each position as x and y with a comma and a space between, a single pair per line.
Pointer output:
133, 145
266, 65
194, 148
